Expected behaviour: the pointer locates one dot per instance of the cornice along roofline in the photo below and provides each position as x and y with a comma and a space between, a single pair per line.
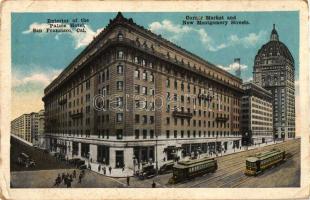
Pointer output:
121, 20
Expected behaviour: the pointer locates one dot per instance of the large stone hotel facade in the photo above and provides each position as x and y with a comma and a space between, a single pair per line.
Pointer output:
131, 96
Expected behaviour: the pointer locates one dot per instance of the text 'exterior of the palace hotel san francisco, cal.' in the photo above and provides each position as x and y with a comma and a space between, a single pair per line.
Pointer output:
123, 70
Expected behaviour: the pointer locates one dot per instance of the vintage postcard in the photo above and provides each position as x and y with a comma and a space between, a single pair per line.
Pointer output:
154, 100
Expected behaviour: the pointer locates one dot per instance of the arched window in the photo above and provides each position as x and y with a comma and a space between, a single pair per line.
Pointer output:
151, 77
136, 59
144, 75
120, 55
120, 69
120, 36
137, 73
143, 62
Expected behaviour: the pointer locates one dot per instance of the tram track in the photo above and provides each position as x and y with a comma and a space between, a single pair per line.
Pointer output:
244, 179
236, 167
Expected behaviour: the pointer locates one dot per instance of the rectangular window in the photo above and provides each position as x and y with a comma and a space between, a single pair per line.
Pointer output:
168, 120
151, 119
151, 134
119, 101
168, 83
144, 90
119, 117
120, 69
137, 118
144, 118
175, 134
144, 75
120, 85
137, 89
119, 134
167, 133
137, 134
137, 74
87, 84
144, 134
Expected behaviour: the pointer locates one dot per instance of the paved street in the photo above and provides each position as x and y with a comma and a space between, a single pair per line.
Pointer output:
229, 174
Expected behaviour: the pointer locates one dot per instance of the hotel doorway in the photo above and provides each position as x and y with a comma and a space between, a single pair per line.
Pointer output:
119, 159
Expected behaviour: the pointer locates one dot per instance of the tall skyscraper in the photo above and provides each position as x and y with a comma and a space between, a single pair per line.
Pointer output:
274, 71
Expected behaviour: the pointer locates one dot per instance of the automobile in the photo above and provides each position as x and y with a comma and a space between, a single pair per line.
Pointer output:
147, 171
73, 161
166, 168
80, 162
24, 160
81, 167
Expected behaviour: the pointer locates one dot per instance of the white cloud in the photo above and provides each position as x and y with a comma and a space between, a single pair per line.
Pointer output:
84, 38
167, 25
249, 40
233, 67
37, 26
175, 32
80, 39
40, 78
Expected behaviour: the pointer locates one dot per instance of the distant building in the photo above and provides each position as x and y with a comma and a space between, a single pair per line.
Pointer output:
41, 137
256, 115
34, 121
274, 71
26, 127
238, 70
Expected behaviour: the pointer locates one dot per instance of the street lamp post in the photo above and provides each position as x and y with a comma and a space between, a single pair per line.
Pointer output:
156, 156
216, 145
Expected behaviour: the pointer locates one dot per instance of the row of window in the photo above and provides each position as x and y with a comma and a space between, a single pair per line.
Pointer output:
201, 134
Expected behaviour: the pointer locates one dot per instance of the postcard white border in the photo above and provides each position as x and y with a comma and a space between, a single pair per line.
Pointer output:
151, 6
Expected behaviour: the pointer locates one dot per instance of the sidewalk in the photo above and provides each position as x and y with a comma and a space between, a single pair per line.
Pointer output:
119, 173
243, 148
115, 173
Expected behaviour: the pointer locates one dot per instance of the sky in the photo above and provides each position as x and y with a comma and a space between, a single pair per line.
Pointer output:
37, 58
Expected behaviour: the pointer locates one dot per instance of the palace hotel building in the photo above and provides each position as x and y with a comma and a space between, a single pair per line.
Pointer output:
157, 101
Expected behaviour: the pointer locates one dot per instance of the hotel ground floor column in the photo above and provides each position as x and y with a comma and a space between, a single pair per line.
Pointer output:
93, 152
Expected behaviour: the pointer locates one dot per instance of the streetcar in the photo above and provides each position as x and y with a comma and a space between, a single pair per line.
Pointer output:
261, 161
185, 170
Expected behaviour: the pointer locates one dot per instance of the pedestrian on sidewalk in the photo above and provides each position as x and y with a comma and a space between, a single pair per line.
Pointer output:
104, 170
128, 179
63, 176
80, 178
74, 174
69, 180
58, 180
153, 184
99, 168
110, 169
123, 168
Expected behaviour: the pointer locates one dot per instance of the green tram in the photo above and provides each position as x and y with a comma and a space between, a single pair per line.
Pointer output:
261, 161
188, 169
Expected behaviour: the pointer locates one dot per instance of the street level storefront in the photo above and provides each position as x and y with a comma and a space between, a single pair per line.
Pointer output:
126, 154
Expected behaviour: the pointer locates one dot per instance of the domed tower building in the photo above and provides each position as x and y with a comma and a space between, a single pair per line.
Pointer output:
274, 71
